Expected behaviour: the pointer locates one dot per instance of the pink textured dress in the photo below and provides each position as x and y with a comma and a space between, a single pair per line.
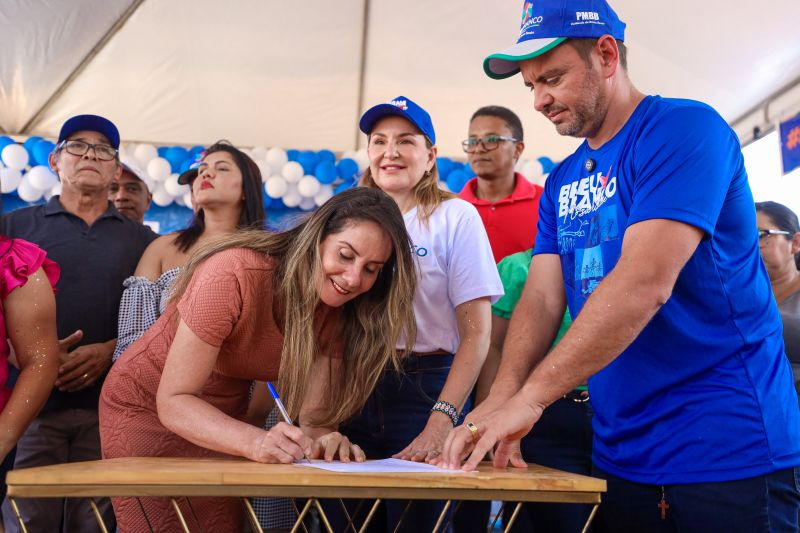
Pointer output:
18, 261
228, 303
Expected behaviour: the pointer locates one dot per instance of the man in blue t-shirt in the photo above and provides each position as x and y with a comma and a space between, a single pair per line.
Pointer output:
647, 232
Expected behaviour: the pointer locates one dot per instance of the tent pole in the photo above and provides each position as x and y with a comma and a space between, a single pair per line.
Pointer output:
82, 65
764, 104
362, 69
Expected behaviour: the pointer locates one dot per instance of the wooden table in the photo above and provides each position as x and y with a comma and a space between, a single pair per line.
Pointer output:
183, 477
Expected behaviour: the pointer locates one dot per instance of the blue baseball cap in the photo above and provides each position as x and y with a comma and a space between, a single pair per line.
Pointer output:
401, 107
548, 23
90, 123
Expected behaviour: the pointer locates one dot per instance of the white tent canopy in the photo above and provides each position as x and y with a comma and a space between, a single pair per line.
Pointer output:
298, 74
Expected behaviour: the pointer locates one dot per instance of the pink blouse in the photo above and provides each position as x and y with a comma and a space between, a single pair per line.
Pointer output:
18, 261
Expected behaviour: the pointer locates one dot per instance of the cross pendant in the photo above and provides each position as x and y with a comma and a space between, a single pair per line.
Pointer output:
663, 505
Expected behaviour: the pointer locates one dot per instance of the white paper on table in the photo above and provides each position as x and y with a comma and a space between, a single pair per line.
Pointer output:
385, 466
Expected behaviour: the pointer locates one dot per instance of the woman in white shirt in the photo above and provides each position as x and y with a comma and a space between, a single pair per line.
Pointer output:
411, 412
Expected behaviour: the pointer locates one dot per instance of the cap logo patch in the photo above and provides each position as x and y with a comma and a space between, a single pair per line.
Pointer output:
402, 104
528, 20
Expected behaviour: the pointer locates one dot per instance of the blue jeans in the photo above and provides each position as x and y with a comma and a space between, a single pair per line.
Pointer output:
393, 416
762, 504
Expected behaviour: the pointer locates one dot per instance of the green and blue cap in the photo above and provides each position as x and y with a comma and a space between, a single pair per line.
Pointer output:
548, 23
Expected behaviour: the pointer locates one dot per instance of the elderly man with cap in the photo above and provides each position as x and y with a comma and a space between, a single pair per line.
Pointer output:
131, 192
97, 248
647, 232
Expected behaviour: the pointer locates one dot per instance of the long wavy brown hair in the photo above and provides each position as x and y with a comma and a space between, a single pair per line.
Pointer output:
369, 325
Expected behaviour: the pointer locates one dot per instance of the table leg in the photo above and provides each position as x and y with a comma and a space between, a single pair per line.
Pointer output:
350, 524
370, 515
301, 516
194, 515
251, 514
322, 516
180, 515
452, 515
441, 516
402, 515
297, 512
591, 517
98, 516
496, 517
19, 517
514, 516
149, 525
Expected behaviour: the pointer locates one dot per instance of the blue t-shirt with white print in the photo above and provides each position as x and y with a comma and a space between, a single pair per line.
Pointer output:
705, 391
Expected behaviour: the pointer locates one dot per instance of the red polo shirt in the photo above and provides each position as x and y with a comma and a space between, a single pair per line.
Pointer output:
510, 222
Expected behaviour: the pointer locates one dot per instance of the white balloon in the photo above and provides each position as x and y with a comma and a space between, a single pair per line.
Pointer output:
276, 157
292, 199
258, 153
532, 170
15, 156
307, 204
349, 154
42, 177
145, 153
10, 179
265, 170
174, 188
161, 197
276, 187
362, 159
308, 186
325, 193
28, 192
179, 200
159, 168
292, 171
187, 199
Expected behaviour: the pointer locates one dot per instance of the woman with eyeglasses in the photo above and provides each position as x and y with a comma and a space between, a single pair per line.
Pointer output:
411, 413
779, 242
226, 196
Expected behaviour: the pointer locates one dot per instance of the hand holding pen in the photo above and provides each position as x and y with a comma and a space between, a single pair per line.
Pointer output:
327, 446
284, 413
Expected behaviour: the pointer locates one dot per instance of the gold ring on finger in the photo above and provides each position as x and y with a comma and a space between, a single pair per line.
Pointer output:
474, 430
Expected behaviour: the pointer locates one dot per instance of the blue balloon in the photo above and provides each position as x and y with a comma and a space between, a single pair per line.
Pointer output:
176, 155
195, 150
444, 165
276, 203
467, 168
326, 172
162, 151
344, 186
30, 142
547, 164
292, 154
5, 141
41, 152
326, 156
456, 180
308, 160
347, 169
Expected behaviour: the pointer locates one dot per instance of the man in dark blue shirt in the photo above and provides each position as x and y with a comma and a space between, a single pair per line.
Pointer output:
97, 248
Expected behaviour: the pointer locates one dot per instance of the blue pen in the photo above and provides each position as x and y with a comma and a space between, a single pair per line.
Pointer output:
282, 409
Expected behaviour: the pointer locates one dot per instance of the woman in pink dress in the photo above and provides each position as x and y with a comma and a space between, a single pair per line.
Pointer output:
319, 307
28, 320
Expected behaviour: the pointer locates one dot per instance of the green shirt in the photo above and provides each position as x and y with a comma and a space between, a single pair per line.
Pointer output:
513, 271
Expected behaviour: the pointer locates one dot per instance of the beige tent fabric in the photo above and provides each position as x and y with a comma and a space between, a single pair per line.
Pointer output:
275, 73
